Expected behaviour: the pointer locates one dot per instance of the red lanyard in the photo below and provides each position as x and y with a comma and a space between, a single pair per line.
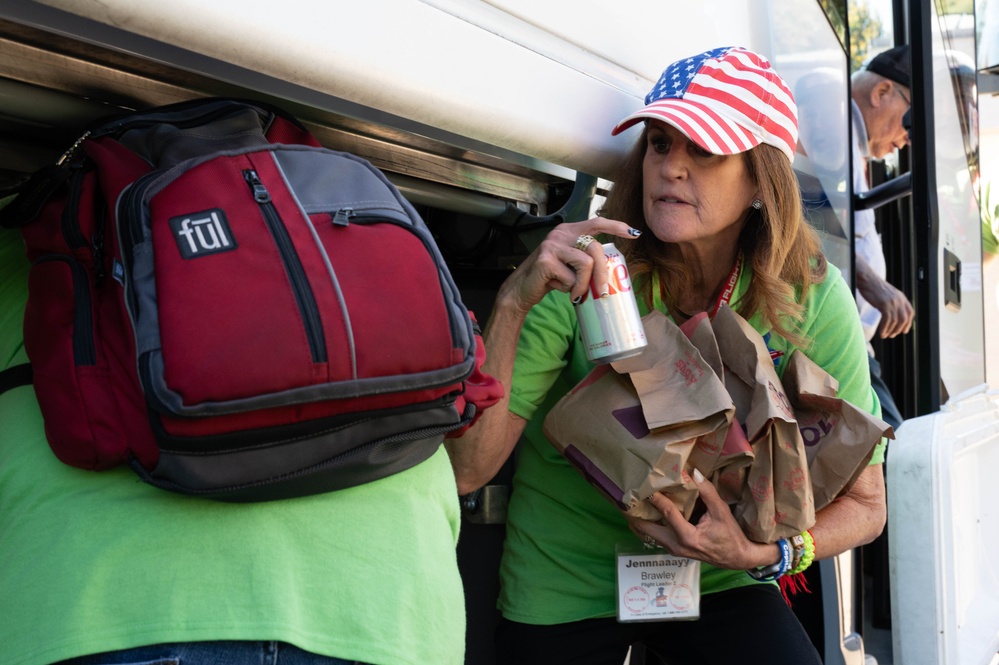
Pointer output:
726, 293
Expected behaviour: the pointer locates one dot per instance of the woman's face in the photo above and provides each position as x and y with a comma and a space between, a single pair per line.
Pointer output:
691, 196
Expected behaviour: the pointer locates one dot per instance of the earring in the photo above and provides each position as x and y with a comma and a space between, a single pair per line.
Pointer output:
757, 204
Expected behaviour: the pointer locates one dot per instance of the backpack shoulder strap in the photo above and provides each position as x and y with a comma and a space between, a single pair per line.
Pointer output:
15, 377
32, 195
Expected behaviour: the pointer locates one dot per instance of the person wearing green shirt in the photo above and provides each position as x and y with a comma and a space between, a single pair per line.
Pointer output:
100, 568
707, 193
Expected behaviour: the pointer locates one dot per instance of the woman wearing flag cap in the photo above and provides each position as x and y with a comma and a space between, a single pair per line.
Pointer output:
708, 192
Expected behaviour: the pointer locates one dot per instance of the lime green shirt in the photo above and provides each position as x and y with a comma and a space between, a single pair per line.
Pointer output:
93, 562
559, 557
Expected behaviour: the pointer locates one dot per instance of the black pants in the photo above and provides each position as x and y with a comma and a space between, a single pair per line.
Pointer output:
745, 626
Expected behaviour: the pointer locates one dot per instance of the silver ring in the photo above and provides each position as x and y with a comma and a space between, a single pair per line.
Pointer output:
583, 241
650, 542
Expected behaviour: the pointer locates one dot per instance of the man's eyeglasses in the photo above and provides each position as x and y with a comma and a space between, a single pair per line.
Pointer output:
904, 98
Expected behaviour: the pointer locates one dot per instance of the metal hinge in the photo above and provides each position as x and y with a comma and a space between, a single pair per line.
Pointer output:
486, 505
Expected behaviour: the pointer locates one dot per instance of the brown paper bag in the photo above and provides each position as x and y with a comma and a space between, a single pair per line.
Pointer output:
777, 499
775, 451
631, 433
839, 438
725, 469
700, 333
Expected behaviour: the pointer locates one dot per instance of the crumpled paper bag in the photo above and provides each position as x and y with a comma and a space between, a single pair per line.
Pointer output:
727, 470
631, 426
776, 451
777, 499
839, 437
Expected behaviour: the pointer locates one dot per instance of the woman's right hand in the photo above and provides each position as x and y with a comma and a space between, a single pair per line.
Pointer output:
555, 264
558, 264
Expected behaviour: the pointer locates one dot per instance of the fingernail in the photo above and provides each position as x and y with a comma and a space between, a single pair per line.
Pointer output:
634, 232
577, 300
604, 294
698, 476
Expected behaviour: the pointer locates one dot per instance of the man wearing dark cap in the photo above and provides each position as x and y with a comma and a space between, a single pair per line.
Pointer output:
880, 97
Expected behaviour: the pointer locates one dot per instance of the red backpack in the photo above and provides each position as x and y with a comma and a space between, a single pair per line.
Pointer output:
237, 312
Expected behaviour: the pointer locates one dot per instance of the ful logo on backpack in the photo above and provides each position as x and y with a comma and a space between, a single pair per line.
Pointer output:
202, 233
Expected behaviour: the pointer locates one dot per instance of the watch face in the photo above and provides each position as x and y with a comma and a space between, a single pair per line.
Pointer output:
761, 573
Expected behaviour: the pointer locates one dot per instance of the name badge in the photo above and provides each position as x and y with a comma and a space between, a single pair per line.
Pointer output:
657, 587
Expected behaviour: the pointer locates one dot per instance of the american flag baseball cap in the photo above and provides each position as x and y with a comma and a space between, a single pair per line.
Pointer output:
726, 100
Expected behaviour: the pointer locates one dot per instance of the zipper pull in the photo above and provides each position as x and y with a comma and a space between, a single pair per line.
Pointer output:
71, 152
260, 193
342, 216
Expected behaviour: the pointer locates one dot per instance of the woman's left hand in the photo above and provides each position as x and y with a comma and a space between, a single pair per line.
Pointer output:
716, 539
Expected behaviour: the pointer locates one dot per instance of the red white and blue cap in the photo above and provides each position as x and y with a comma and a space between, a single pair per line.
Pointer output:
727, 100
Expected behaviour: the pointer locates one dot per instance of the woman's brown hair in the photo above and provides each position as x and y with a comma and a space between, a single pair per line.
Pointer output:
779, 245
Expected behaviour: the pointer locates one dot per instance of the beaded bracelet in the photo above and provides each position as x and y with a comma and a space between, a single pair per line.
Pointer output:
809, 554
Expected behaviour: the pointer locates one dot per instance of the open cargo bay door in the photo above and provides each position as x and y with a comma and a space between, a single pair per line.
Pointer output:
949, 334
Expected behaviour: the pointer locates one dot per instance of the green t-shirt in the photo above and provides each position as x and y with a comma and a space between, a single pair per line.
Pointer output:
93, 562
559, 557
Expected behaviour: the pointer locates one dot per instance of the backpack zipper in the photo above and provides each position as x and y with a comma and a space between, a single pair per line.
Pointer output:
304, 296
347, 216
129, 208
97, 241
70, 222
84, 345
116, 128
70, 214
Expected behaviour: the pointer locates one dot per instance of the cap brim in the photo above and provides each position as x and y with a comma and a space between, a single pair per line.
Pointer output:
709, 130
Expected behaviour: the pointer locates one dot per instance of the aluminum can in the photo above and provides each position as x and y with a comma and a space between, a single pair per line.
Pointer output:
611, 326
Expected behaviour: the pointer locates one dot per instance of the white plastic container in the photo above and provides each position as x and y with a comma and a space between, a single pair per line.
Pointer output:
943, 534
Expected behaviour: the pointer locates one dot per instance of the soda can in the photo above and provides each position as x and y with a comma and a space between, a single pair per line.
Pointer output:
611, 326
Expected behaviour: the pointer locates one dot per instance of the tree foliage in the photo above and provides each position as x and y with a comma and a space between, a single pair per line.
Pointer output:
956, 6
836, 13
864, 29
